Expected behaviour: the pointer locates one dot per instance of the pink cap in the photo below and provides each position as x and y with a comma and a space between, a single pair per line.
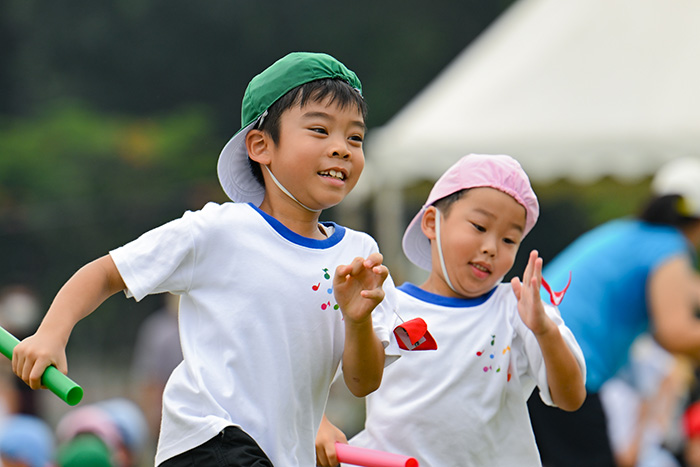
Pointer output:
88, 419
472, 171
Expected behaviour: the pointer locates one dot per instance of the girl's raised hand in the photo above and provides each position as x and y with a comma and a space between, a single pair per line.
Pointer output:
530, 304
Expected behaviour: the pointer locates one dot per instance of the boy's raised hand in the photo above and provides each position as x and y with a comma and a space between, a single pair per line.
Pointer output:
530, 304
358, 290
358, 286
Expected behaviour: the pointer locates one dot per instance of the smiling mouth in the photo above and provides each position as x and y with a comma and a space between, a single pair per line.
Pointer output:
333, 174
481, 268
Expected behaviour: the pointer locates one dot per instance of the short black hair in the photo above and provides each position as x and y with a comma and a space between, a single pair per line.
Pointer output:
337, 90
666, 210
445, 204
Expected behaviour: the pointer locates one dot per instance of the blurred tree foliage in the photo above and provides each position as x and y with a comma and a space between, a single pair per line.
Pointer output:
112, 114
143, 56
75, 183
100, 178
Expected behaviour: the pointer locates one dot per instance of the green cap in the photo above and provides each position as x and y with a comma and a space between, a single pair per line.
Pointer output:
85, 450
265, 89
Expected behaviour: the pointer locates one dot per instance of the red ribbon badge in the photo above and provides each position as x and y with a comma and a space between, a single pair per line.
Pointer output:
413, 335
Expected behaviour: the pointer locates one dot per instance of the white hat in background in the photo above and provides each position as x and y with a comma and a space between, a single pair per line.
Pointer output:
680, 177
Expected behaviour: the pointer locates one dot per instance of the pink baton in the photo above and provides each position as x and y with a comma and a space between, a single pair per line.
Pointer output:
371, 458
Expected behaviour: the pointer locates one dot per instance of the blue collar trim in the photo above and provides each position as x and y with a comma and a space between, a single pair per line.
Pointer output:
334, 239
441, 300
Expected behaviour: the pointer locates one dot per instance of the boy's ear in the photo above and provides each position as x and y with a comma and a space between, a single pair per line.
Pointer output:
257, 143
427, 224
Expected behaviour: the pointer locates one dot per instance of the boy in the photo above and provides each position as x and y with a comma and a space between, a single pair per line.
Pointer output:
263, 322
465, 403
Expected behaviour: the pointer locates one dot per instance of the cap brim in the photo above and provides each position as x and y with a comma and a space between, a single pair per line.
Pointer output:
416, 245
234, 171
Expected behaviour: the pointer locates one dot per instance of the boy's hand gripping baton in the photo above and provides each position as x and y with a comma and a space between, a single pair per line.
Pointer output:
54, 380
371, 458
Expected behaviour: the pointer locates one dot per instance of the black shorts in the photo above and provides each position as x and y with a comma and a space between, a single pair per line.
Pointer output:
232, 447
571, 439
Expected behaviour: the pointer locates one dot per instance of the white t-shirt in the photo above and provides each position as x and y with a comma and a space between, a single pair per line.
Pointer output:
463, 404
260, 330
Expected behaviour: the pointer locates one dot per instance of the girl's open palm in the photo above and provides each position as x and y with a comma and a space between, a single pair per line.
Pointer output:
530, 304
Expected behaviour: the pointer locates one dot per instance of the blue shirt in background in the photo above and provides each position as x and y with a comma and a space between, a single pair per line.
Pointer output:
606, 306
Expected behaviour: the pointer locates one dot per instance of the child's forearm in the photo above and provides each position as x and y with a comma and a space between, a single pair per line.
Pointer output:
363, 358
564, 375
81, 295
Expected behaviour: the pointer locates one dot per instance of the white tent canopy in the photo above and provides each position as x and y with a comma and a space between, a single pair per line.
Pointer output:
575, 89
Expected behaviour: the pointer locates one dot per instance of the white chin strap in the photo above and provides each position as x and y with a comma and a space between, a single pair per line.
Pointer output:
438, 215
286, 192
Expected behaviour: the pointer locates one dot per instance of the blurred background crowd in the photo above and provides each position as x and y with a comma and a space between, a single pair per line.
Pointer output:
112, 116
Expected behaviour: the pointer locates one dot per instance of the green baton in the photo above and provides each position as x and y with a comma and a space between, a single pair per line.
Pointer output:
54, 380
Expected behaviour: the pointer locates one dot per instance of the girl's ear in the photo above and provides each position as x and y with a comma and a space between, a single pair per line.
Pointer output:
427, 224
258, 143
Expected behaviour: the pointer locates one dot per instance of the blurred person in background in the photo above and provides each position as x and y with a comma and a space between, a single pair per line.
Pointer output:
85, 450
20, 312
628, 276
110, 433
156, 354
643, 404
26, 441
131, 423
9, 394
